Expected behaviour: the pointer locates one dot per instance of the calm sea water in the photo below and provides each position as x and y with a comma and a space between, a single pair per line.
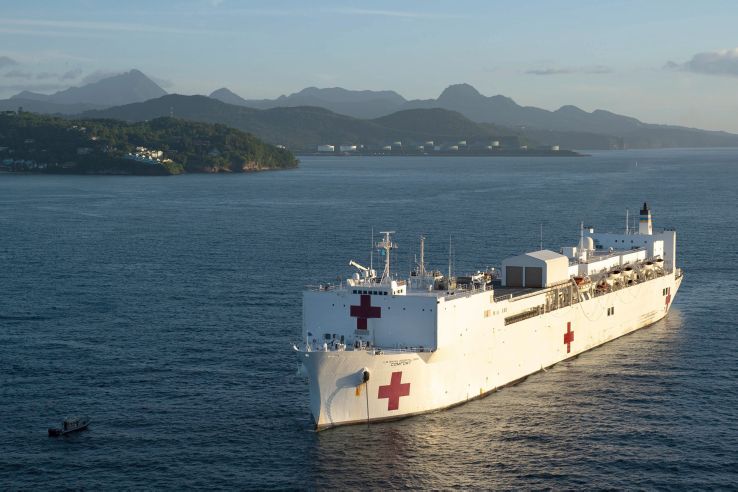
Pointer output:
165, 308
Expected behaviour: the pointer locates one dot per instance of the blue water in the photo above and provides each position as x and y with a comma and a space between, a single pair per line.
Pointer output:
165, 308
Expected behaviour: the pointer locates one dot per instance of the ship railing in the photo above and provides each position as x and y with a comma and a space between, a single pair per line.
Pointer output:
400, 350
325, 287
461, 291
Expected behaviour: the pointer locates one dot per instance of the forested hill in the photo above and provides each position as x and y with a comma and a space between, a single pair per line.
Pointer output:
303, 128
37, 143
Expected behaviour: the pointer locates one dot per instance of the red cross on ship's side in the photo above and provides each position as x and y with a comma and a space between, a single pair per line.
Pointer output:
568, 337
394, 391
364, 311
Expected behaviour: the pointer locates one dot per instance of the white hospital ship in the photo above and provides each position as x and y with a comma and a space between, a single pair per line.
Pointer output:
381, 347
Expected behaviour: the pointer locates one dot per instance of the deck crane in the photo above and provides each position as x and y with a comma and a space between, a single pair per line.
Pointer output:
368, 273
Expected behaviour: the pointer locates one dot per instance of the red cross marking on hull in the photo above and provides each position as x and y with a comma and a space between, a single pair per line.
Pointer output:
364, 311
568, 337
394, 391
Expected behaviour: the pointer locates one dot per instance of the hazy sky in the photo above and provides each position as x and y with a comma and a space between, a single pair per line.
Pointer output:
660, 61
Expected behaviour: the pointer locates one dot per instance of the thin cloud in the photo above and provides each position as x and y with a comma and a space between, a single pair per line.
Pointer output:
48, 56
397, 13
548, 71
98, 75
76, 26
71, 74
6, 61
52, 33
598, 69
32, 87
163, 83
17, 74
23, 74
722, 62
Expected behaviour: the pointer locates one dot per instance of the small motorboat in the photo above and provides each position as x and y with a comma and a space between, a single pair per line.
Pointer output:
70, 424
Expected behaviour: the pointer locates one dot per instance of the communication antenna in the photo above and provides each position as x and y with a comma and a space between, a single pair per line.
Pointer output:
421, 263
581, 235
371, 252
541, 236
449, 257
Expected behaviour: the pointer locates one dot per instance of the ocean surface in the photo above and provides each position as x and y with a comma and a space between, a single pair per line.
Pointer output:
165, 309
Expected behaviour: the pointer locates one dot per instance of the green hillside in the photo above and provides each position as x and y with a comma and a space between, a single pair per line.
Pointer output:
34, 142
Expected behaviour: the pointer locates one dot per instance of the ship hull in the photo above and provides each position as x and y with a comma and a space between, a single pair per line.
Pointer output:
484, 355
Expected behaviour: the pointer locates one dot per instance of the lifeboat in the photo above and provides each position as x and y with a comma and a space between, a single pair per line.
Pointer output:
647, 269
583, 283
614, 277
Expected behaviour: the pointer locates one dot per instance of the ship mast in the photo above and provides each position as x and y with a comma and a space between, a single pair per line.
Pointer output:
421, 263
387, 245
371, 252
449, 257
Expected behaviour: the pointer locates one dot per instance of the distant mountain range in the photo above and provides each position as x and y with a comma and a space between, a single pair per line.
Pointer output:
359, 104
125, 88
341, 115
304, 127
567, 126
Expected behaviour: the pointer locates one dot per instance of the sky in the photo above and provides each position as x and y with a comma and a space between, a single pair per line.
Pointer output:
672, 62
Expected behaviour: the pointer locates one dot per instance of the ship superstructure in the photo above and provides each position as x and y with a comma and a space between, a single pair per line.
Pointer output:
378, 347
